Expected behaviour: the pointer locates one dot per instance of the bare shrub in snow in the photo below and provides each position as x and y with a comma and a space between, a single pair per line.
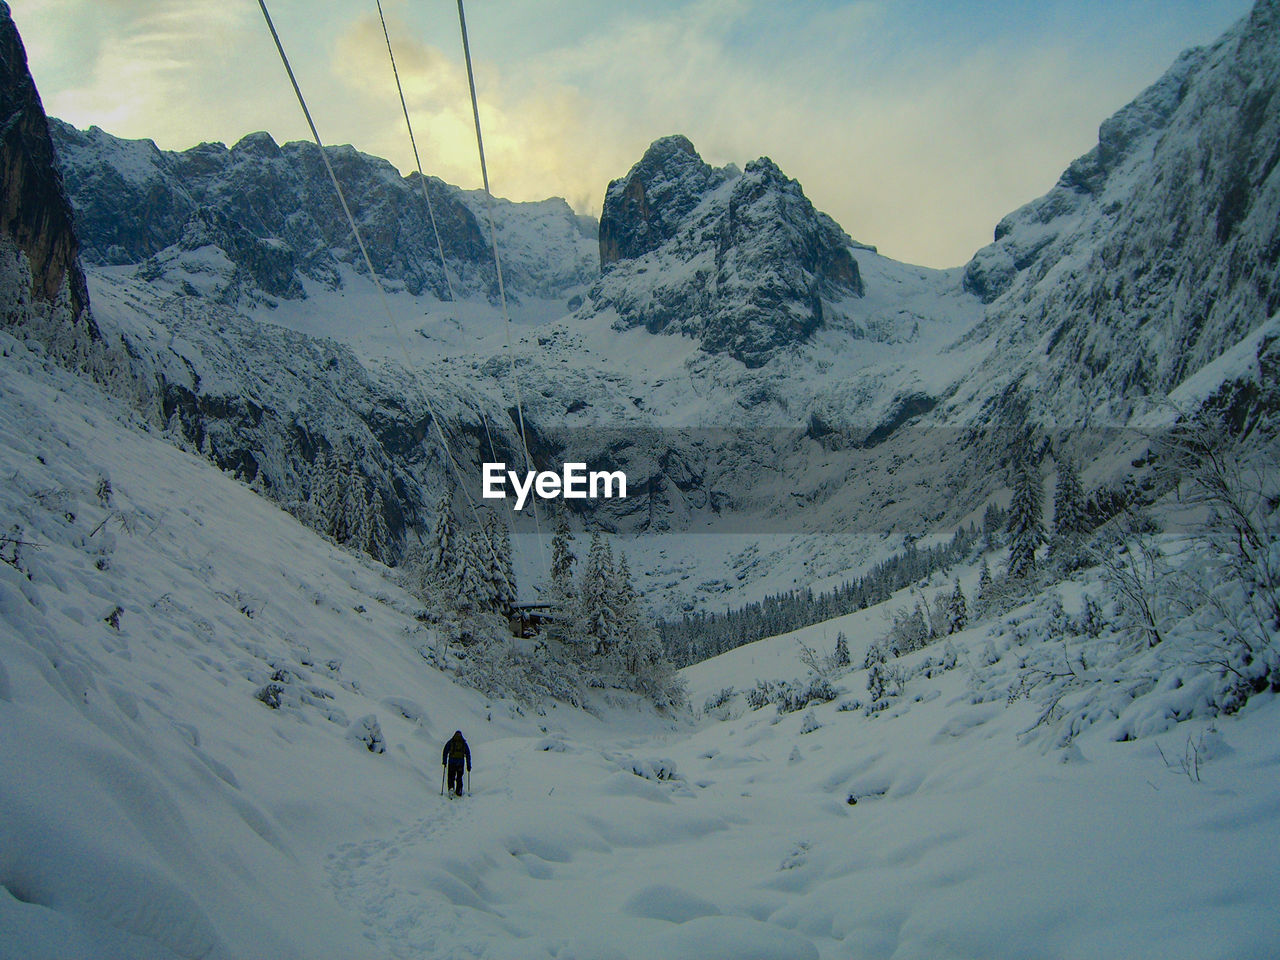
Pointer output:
1230, 585
909, 631
1137, 576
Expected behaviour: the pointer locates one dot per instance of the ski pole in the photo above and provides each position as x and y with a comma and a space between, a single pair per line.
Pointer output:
442, 771
468, 782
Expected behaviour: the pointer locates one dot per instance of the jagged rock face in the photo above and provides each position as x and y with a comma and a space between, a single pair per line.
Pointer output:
1160, 248
34, 213
645, 208
740, 260
271, 211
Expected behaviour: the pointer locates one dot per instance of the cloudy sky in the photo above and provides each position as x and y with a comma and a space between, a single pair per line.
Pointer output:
916, 123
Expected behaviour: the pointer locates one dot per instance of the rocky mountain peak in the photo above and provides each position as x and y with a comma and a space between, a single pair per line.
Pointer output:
740, 260
260, 144
644, 209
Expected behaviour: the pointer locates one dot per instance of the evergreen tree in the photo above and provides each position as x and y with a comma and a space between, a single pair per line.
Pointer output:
443, 547
959, 611
315, 498
596, 597
1025, 512
330, 497
355, 507
983, 599
642, 657
377, 542
1069, 519
993, 521
562, 561
841, 656
496, 545
474, 583
629, 635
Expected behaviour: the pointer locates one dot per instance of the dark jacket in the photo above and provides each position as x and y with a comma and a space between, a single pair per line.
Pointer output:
456, 751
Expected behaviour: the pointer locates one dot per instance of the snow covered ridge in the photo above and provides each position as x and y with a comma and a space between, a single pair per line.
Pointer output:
136, 204
1157, 252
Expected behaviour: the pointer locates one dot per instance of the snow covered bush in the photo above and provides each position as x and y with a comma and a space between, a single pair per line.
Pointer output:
790, 696
649, 768
717, 700
809, 723
1229, 585
270, 695
761, 695
885, 680
499, 669
367, 732
1137, 576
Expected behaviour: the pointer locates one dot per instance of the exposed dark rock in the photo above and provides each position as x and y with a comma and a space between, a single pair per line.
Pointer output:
34, 212
645, 208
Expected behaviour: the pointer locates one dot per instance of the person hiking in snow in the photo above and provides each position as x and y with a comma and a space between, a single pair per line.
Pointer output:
456, 752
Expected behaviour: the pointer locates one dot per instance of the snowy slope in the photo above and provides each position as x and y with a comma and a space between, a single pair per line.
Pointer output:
154, 807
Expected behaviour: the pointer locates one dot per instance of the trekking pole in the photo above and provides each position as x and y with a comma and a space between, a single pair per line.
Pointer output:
442, 779
468, 782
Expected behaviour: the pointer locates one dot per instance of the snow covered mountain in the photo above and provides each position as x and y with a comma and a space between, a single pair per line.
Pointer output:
755, 260
718, 299
1156, 253
254, 221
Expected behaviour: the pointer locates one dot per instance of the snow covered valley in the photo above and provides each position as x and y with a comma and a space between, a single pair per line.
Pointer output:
241, 609
154, 805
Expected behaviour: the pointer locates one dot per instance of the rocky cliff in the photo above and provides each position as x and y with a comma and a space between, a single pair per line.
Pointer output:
35, 216
1157, 251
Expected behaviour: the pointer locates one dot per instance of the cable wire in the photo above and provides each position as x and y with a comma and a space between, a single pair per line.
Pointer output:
386, 305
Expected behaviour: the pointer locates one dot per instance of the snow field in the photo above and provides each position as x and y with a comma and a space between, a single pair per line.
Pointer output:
966, 840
